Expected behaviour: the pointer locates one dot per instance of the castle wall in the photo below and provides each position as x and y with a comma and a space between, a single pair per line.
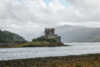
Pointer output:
69, 61
50, 34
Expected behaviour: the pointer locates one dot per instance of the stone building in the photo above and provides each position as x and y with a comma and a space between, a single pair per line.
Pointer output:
50, 34
50, 38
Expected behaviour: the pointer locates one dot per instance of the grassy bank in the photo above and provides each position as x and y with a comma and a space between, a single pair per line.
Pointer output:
33, 44
40, 44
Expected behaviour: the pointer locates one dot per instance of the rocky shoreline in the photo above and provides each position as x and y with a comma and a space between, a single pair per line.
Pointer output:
90, 60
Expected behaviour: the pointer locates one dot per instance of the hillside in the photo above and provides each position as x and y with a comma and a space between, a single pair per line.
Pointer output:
78, 34
6, 36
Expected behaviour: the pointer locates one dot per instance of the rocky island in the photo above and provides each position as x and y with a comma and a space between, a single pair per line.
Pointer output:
49, 39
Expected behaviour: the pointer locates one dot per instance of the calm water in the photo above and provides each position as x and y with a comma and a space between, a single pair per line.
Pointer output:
35, 52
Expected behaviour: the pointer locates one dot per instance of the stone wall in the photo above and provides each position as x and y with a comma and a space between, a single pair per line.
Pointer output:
50, 34
92, 60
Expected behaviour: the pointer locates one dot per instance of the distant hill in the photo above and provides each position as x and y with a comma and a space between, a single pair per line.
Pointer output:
6, 36
78, 34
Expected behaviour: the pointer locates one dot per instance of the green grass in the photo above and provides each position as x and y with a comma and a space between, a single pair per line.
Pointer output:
39, 44
34, 44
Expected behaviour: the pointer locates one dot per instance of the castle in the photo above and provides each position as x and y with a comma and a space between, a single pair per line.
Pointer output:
50, 38
50, 35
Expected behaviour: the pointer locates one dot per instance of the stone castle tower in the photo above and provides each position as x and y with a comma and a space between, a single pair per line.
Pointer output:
50, 34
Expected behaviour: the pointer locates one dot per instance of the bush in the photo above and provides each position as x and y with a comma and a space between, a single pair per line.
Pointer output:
43, 39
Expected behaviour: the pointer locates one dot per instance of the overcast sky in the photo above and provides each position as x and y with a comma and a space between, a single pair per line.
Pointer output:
32, 16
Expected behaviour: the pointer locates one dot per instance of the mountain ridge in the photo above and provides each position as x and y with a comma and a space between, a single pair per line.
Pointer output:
78, 33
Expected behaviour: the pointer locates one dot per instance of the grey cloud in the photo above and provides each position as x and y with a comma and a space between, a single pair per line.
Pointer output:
23, 16
90, 9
